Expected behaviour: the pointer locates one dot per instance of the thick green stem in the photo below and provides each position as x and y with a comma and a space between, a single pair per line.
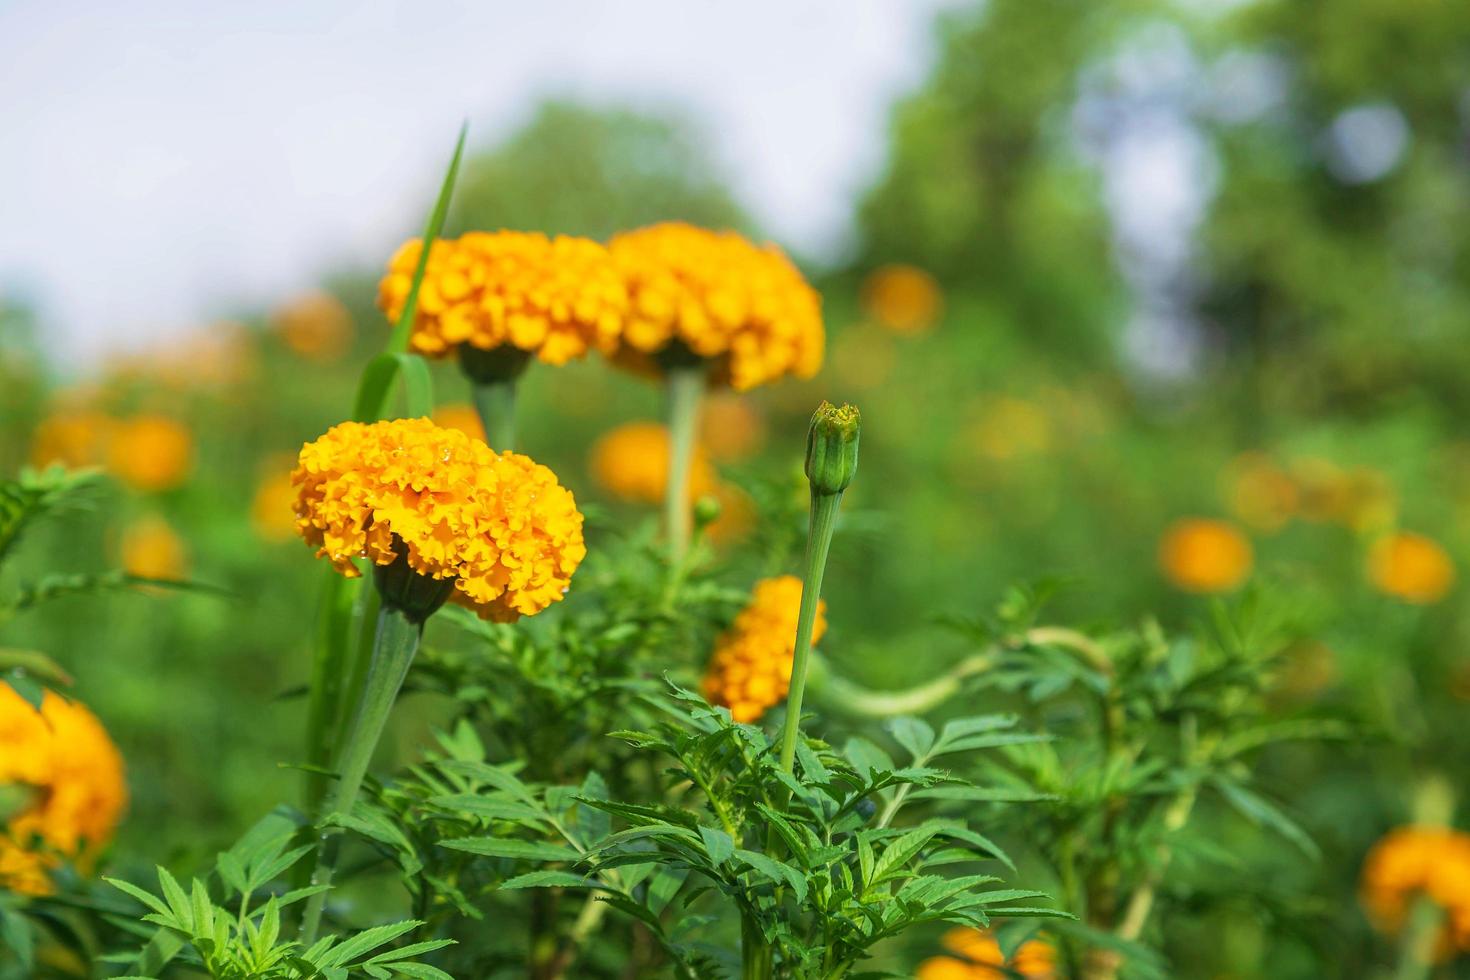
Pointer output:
1420, 940
685, 385
818, 542
496, 403
755, 957
394, 646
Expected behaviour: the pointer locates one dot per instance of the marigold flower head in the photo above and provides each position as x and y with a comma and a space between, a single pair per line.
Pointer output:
62, 754
315, 325
1202, 555
902, 298
72, 439
1259, 493
152, 549
744, 308
1433, 862
555, 298
750, 671
498, 524
150, 452
1411, 567
979, 957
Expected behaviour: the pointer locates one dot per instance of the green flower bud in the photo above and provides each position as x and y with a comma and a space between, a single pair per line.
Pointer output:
706, 511
832, 448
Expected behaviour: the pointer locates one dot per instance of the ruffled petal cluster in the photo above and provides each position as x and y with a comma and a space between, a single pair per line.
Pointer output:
750, 671
1410, 862
978, 957
746, 308
63, 757
498, 524
556, 298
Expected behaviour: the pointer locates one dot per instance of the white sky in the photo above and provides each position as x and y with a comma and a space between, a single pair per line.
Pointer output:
163, 159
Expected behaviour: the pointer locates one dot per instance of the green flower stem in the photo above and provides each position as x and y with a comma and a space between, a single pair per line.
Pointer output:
1420, 937
685, 387
329, 667
496, 403
842, 695
818, 543
755, 958
394, 646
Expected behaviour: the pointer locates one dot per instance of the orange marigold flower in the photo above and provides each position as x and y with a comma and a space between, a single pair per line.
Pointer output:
72, 439
553, 297
271, 512
152, 549
74, 774
744, 308
1202, 555
315, 325
461, 417
1433, 862
632, 462
150, 452
1411, 567
499, 524
1260, 493
750, 671
980, 958
902, 298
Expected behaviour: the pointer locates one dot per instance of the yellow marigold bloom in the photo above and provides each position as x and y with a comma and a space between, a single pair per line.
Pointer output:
315, 325
980, 958
902, 298
744, 308
72, 439
75, 774
1259, 493
152, 549
556, 298
461, 417
150, 452
271, 512
1411, 567
1202, 555
750, 671
632, 462
499, 524
730, 428
1410, 862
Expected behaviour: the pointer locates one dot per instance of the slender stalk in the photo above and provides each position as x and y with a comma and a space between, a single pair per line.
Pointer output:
394, 646
843, 695
496, 403
685, 386
1420, 938
755, 957
328, 667
818, 542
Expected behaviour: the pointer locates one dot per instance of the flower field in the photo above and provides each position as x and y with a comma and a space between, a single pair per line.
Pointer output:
595, 587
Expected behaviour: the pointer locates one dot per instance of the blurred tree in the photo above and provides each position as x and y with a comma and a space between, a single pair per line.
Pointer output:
579, 170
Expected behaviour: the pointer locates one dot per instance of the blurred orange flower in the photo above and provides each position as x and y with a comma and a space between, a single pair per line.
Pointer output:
902, 298
981, 958
1410, 567
150, 452
632, 462
315, 325
730, 427
152, 549
1259, 493
63, 753
461, 417
1433, 862
1203, 555
72, 439
272, 511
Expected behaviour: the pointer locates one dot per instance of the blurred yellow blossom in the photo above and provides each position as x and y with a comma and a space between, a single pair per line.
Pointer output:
1259, 493
902, 298
71, 438
746, 309
1006, 428
556, 298
1433, 862
750, 670
462, 417
1410, 567
271, 511
150, 452
153, 549
730, 427
1203, 555
63, 754
315, 325
498, 524
632, 462
979, 957
863, 358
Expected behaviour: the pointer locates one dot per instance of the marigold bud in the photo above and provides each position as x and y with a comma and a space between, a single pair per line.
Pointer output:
832, 448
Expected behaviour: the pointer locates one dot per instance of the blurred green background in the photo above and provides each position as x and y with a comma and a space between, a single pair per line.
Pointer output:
1125, 264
